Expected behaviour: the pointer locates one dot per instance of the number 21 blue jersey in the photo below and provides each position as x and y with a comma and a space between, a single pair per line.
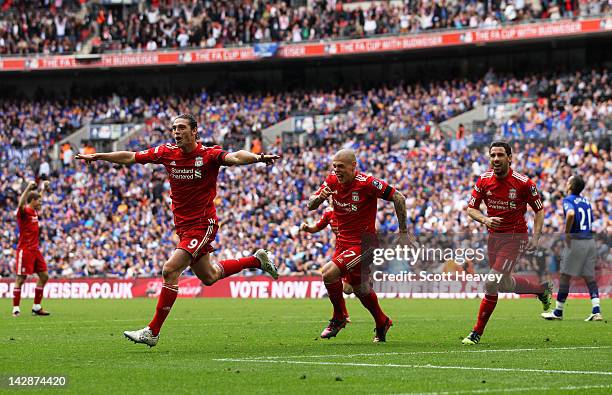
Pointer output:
583, 215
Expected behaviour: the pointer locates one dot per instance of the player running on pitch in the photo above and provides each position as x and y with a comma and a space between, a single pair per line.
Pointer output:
506, 194
192, 169
329, 218
580, 254
29, 258
354, 198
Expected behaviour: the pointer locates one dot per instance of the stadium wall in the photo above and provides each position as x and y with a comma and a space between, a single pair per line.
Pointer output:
257, 287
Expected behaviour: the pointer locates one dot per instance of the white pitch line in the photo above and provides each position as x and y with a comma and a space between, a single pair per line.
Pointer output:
432, 352
525, 389
428, 366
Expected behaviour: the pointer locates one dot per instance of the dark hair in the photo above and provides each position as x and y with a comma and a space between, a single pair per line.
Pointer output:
193, 124
576, 185
502, 144
32, 195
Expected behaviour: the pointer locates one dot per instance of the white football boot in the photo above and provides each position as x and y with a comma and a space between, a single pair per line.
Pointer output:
144, 336
266, 263
594, 317
551, 316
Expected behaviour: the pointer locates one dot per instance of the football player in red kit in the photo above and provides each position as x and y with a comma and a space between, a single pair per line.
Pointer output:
354, 197
29, 259
192, 170
506, 195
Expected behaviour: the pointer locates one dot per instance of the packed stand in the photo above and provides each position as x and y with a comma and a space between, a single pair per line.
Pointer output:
65, 26
43, 26
182, 24
568, 107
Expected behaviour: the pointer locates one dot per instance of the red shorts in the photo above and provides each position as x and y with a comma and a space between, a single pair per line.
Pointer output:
349, 260
505, 249
197, 240
29, 262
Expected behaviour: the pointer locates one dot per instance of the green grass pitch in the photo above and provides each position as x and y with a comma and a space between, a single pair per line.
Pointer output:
272, 347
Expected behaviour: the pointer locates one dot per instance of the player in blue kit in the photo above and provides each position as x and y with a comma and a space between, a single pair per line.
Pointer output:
580, 253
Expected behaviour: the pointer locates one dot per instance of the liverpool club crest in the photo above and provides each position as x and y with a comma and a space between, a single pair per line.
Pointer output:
512, 194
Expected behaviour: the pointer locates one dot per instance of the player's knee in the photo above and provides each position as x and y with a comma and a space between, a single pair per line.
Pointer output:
506, 284
491, 287
208, 279
170, 274
43, 277
330, 273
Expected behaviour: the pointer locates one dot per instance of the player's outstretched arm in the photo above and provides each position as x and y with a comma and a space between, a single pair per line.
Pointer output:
243, 157
119, 157
24, 196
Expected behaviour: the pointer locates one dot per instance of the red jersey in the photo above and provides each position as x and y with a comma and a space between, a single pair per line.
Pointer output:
355, 205
328, 218
193, 180
27, 220
506, 198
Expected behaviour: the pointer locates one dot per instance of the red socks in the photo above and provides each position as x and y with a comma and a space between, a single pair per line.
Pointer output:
370, 302
233, 266
524, 286
38, 295
334, 291
16, 297
167, 296
486, 309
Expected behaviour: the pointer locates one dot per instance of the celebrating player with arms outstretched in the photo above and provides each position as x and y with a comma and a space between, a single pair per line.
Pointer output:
29, 258
192, 169
506, 194
354, 197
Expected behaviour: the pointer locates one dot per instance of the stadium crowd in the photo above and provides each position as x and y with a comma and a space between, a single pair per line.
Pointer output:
105, 220
64, 26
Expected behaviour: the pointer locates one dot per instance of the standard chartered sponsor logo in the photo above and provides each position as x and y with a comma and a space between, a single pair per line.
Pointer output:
185, 174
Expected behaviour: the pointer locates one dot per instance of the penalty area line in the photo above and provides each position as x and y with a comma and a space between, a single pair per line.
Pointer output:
427, 366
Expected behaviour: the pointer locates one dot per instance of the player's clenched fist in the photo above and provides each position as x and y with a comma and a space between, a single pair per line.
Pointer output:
325, 193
